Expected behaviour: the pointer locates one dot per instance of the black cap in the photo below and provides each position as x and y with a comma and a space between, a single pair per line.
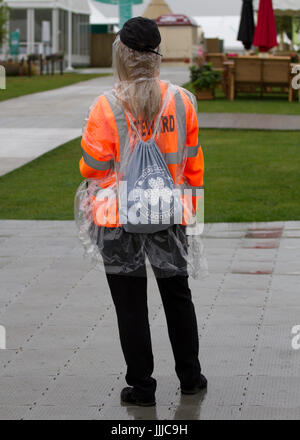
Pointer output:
141, 34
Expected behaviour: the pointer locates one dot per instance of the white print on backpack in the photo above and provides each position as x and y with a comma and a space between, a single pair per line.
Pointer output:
296, 339
157, 190
153, 199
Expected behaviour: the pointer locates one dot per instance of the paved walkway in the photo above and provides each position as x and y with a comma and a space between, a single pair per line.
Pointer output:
31, 125
63, 357
249, 121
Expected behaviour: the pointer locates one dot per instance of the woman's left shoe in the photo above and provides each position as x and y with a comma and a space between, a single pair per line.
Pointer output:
128, 396
202, 385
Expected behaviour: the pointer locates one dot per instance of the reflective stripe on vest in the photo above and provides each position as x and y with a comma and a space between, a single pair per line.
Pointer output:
121, 122
181, 130
100, 165
191, 151
176, 157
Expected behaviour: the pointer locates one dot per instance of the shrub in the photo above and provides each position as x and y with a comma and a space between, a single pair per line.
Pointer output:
204, 77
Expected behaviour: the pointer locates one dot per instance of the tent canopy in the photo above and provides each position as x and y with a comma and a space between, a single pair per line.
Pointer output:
223, 27
156, 8
97, 17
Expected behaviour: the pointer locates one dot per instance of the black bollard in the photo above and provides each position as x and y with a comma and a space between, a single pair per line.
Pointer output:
41, 65
28, 66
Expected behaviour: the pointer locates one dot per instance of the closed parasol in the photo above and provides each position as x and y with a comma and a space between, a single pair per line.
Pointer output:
265, 36
246, 30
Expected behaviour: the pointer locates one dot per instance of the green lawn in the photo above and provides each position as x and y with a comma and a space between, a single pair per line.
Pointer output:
44, 188
23, 85
270, 104
250, 176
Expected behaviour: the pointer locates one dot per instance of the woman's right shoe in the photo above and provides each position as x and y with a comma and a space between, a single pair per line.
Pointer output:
128, 396
200, 386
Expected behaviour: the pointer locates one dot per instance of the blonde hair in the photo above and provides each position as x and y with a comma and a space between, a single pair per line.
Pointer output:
138, 75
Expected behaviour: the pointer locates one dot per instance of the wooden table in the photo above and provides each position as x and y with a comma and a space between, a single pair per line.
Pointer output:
264, 76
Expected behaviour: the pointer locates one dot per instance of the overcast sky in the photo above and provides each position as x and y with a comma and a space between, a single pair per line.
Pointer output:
188, 7
205, 7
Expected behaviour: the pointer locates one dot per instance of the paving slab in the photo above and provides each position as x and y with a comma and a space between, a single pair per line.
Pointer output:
283, 392
192, 412
63, 358
277, 362
249, 121
260, 412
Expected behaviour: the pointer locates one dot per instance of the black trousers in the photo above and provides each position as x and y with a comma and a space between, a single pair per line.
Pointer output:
129, 295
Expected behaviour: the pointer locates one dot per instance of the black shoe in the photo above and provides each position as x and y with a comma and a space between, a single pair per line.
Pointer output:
201, 386
128, 396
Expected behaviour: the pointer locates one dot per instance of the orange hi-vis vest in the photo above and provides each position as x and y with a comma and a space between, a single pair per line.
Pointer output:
107, 133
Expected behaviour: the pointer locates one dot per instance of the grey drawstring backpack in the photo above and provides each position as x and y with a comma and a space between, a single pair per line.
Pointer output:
149, 201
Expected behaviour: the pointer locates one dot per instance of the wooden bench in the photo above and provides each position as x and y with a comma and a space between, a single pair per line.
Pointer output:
252, 74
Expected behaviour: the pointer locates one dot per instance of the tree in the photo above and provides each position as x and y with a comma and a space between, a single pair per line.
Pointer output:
284, 24
287, 25
3, 21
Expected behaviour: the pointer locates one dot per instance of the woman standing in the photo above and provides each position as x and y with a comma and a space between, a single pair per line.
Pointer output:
144, 166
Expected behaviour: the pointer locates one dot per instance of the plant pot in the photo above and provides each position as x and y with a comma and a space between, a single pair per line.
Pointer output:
12, 69
205, 94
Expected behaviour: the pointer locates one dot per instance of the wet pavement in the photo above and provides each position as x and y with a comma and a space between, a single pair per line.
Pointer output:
63, 358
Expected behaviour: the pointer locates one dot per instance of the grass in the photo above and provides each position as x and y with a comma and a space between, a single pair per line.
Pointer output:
250, 176
270, 104
44, 188
24, 85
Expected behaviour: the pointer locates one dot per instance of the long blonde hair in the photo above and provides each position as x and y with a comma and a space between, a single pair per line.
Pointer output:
138, 74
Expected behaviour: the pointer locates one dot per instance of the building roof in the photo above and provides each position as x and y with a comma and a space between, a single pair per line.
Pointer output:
78, 6
175, 20
156, 8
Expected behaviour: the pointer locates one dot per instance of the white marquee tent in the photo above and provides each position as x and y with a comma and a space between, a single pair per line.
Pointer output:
291, 6
222, 27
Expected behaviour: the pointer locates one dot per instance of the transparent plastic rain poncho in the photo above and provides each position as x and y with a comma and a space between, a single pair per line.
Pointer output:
113, 133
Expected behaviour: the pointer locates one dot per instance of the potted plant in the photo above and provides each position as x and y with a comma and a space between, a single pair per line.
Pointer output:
295, 57
204, 80
12, 68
